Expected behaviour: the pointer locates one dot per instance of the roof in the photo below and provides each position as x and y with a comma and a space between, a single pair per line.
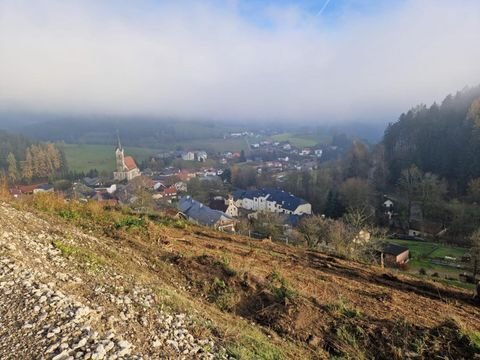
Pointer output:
130, 163
393, 249
218, 204
285, 199
428, 227
201, 213
26, 189
170, 191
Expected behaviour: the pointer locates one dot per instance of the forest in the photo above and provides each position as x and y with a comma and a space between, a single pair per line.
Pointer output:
441, 139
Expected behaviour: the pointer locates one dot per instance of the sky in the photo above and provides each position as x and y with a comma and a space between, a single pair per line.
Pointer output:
311, 61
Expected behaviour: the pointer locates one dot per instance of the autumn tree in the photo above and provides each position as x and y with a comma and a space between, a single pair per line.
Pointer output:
27, 166
12, 171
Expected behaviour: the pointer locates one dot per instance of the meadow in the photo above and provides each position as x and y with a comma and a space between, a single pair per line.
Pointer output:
302, 140
423, 254
85, 157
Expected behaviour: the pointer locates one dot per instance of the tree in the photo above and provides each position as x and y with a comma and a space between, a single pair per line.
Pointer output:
318, 230
358, 218
315, 230
408, 184
242, 157
474, 113
474, 190
12, 171
355, 193
27, 166
268, 224
357, 162
475, 251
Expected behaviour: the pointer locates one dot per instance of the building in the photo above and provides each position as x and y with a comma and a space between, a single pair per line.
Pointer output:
188, 156
224, 205
199, 213
126, 168
394, 255
426, 229
201, 156
271, 200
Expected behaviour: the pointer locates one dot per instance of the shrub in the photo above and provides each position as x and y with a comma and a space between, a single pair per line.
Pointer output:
280, 289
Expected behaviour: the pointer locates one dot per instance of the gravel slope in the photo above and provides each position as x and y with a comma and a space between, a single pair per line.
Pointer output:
51, 308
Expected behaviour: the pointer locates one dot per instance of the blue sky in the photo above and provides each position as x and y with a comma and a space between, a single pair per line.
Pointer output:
236, 59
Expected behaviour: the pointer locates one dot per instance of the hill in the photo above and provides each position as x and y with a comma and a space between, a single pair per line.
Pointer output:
442, 139
76, 279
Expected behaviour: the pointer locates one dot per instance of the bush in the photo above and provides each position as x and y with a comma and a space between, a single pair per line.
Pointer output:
280, 288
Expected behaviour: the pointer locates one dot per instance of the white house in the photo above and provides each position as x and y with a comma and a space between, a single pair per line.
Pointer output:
188, 155
201, 156
271, 200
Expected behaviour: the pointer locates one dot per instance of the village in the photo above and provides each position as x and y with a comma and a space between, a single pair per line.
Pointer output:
222, 207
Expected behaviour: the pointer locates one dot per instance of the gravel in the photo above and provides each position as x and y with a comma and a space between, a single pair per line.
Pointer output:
53, 309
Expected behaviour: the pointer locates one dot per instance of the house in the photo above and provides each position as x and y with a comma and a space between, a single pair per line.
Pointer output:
29, 189
387, 206
92, 181
203, 215
181, 186
224, 205
271, 200
318, 153
126, 167
201, 156
188, 156
105, 198
15, 192
394, 255
43, 189
426, 229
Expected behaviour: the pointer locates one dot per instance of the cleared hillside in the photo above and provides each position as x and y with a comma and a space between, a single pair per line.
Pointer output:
137, 288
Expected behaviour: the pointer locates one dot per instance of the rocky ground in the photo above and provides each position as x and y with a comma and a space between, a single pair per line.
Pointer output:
52, 308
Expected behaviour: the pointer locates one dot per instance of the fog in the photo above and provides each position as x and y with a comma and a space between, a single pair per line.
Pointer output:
210, 59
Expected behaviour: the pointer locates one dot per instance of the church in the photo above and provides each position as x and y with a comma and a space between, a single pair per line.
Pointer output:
126, 166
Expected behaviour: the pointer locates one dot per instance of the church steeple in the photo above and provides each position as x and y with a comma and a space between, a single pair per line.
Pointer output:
119, 144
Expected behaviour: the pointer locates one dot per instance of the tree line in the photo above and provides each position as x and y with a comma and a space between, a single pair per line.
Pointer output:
22, 161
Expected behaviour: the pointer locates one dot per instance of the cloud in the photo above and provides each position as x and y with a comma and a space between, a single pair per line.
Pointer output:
210, 59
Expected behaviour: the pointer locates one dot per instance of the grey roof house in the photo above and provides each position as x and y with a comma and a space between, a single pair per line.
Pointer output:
197, 212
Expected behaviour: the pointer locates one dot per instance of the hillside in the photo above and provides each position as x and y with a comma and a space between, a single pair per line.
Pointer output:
77, 281
442, 139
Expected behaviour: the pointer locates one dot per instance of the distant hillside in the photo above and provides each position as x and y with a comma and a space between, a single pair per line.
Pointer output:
106, 282
443, 139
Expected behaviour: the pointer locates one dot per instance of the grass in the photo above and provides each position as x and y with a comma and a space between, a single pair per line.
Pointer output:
421, 254
92, 261
82, 158
301, 140
131, 252
254, 345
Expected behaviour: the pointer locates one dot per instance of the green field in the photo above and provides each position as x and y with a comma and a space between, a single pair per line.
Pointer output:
215, 145
83, 158
301, 141
422, 254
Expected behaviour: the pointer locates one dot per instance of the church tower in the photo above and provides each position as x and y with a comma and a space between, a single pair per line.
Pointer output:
119, 156
126, 168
